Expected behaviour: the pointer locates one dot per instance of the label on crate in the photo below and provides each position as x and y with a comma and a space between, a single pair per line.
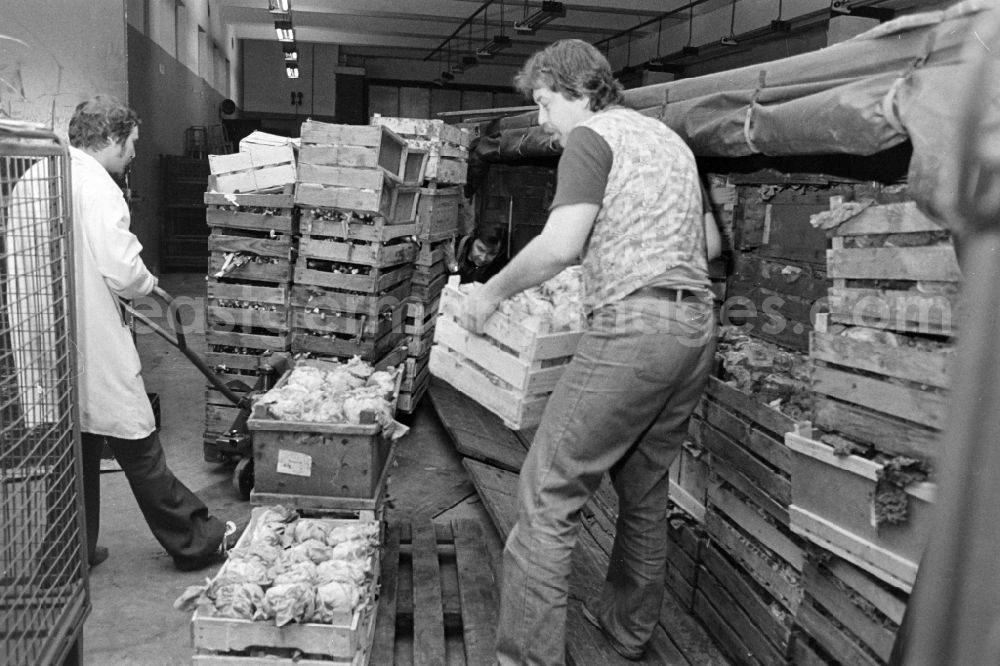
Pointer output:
294, 462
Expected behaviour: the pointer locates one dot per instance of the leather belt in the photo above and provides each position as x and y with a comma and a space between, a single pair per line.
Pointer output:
667, 293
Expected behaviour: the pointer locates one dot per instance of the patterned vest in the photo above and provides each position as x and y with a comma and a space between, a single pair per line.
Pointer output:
649, 229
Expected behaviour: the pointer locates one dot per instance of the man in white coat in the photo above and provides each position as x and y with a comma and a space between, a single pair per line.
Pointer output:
114, 406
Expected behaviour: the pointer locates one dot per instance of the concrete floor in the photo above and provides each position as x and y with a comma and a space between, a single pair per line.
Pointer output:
133, 621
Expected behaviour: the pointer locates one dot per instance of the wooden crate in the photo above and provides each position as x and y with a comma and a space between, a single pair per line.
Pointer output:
354, 146
318, 461
319, 322
424, 129
253, 211
747, 608
366, 190
376, 280
346, 640
352, 251
267, 167
510, 369
270, 256
333, 223
371, 305
886, 393
832, 506
842, 620
341, 346
420, 345
892, 267
438, 213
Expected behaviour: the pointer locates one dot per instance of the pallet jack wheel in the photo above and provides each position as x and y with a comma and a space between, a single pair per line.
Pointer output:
243, 477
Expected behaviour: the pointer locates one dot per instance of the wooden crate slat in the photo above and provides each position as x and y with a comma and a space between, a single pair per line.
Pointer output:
889, 602
756, 525
728, 639
769, 448
373, 327
279, 272
380, 202
275, 342
378, 280
909, 311
889, 434
930, 263
831, 638
378, 230
285, 222
270, 295
252, 199
894, 218
929, 367
769, 480
763, 611
310, 296
428, 613
480, 612
729, 611
357, 253
434, 128
913, 404
767, 417
227, 317
735, 477
777, 578
836, 600
371, 350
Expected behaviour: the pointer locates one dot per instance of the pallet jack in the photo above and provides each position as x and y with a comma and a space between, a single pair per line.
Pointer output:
236, 444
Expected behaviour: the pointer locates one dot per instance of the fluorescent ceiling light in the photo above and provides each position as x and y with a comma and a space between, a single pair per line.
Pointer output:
548, 11
494, 46
292, 70
279, 6
285, 31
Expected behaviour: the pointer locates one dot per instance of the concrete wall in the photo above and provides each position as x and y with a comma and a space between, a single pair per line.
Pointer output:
169, 97
267, 89
51, 59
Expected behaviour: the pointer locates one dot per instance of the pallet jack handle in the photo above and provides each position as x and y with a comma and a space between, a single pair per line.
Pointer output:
176, 338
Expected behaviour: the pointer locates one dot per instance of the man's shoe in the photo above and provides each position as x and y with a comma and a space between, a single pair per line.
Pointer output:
632, 654
100, 554
234, 530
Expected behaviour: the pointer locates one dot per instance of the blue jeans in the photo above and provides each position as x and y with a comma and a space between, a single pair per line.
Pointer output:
622, 406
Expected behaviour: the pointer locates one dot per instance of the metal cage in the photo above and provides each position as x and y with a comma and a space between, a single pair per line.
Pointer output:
44, 593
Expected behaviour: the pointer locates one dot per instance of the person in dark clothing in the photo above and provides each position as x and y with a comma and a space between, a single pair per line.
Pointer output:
481, 255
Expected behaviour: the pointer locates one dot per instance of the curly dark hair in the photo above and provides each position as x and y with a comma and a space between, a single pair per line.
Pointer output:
574, 68
101, 120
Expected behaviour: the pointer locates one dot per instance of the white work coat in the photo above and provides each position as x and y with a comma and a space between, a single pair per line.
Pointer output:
113, 398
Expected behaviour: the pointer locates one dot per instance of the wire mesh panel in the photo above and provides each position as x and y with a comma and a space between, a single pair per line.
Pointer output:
44, 596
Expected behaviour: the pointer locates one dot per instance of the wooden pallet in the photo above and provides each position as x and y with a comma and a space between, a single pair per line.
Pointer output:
439, 601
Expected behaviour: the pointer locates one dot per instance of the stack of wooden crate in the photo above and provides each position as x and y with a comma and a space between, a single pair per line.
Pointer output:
356, 256
735, 478
438, 214
880, 374
247, 310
